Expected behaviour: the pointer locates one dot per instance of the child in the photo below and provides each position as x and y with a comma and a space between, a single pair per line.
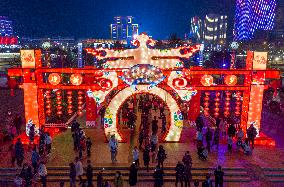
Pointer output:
136, 156
230, 143
88, 146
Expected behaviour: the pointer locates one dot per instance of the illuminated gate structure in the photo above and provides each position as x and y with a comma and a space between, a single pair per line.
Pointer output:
220, 93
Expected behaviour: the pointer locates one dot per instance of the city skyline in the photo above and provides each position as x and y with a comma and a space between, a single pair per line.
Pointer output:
92, 18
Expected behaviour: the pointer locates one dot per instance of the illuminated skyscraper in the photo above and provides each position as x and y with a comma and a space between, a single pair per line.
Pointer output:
123, 28
252, 15
6, 28
212, 30
215, 29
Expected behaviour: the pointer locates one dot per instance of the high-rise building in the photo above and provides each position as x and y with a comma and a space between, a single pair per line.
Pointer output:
6, 28
215, 29
210, 30
123, 28
252, 15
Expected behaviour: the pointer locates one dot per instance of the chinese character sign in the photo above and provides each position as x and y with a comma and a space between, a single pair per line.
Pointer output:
28, 58
260, 60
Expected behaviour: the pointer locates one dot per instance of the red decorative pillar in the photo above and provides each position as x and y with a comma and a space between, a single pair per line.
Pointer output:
194, 107
91, 111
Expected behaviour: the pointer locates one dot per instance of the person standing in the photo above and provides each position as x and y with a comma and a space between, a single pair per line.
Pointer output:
32, 133
19, 151
208, 137
42, 171
79, 169
251, 133
135, 153
208, 182
187, 160
48, 142
88, 146
230, 143
232, 130
158, 177
113, 145
72, 174
161, 156
179, 173
118, 181
164, 123
155, 125
141, 138
146, 158
132, 175
100, 179
216, 138
89, 174
187, 175
219, 174
35, 159
240, 136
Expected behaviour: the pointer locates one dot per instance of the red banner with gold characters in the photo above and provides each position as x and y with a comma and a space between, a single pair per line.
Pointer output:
259, 60
91, 111
28, 58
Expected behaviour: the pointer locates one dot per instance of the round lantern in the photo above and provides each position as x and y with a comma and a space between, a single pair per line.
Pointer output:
54, 78
231, 80
76, 79
207, 80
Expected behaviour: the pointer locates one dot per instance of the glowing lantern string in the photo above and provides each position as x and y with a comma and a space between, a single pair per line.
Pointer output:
48, 102
80, 102
206, 104
227, 104
238, 104
217, 103
59, 102
69, 101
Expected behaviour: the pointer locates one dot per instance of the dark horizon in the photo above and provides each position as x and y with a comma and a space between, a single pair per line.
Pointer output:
83, 19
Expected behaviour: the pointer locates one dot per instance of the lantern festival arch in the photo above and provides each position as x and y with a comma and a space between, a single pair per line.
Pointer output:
144, 68
176, 119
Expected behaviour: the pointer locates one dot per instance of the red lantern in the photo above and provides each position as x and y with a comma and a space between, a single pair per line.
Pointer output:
76, 79
54, 78
207, 80
231, 80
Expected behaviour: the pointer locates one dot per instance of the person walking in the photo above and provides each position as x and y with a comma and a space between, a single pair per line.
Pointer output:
32, 133
154, 143
146, 158
72, 174
35, 159
208, 137
135, 154
240, 136
161, 156
79, 169
118, 181
179, 173
113, 144
89, 174
100, 179
158, 177
219, 174
19, 151
88, 146
232, 130
251, 133
187, 175
132, 175
230, 143
42, 171
164, 122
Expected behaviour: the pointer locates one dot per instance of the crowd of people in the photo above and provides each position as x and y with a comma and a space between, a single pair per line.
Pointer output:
208, 137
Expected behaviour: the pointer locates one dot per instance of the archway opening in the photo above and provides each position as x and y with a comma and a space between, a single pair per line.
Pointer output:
136, 115
111, 122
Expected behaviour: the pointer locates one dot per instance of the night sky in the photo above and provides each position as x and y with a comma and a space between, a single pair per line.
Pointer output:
91, 18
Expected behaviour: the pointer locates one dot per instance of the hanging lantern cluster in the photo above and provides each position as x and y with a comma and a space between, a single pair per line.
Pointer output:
69, 101
80, 102
206, 103
238, 104
59, 102
48, 102
227, 104
217, 104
